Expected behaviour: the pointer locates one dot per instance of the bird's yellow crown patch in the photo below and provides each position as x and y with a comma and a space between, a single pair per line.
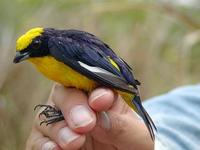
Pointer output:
26, 39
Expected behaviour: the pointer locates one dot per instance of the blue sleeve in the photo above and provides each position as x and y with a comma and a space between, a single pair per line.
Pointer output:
177, 117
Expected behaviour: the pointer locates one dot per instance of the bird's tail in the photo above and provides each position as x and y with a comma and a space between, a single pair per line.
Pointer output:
145, 116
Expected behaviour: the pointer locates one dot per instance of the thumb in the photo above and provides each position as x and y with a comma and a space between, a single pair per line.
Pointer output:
117, 123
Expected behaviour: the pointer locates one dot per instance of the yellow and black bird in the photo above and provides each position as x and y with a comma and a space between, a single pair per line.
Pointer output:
79, 59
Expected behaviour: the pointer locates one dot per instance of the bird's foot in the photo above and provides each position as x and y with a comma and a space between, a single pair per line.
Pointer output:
52, 114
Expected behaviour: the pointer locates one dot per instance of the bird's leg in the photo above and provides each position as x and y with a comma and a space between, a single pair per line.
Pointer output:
51, 113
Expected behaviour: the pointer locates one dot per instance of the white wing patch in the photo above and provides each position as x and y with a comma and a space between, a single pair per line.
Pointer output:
110, 77
95, 69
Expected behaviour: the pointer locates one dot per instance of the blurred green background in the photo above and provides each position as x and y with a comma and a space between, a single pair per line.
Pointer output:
159, 39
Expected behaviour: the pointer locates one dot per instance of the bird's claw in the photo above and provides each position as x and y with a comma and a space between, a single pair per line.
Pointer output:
52, 114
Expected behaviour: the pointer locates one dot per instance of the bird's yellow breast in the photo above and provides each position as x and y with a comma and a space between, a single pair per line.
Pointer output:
68, 77
62, 73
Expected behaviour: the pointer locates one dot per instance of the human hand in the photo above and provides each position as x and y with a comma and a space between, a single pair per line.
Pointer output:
86, 126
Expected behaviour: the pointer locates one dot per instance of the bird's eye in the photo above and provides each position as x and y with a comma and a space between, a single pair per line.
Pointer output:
36, 44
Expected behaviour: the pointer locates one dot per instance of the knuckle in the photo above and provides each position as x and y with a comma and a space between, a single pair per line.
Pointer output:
72, 93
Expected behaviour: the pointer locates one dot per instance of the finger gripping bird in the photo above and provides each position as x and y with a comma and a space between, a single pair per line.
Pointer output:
79, 59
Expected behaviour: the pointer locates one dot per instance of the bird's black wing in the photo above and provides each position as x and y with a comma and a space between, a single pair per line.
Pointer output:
101, 47
87, 60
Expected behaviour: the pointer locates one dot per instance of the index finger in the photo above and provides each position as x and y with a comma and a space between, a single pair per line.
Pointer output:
74, 106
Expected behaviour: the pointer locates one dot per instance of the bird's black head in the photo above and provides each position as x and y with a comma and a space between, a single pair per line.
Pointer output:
33, 43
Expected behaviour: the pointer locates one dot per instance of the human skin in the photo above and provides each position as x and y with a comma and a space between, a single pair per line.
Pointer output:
87, 126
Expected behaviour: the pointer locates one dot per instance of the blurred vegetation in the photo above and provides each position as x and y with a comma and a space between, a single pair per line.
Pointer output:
160, 40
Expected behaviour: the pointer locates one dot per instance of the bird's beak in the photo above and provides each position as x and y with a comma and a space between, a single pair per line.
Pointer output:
21, 56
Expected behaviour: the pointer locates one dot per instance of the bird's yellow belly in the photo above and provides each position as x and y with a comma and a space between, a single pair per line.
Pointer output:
68, 77
62, 74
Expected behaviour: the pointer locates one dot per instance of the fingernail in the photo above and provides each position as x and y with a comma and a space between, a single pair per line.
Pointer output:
80, 116
104, 120
97, 94
66, 136
48, 145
